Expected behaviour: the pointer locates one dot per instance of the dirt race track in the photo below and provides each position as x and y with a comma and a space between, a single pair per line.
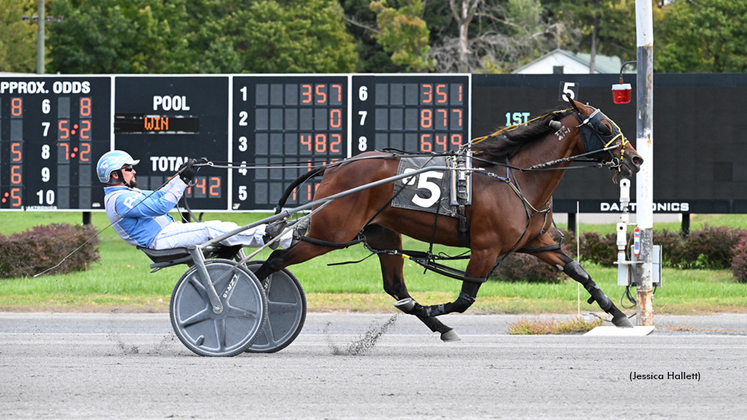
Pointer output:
356, 366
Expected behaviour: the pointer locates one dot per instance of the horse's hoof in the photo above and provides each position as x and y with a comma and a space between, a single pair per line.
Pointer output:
450, 335
405, 305
622, 321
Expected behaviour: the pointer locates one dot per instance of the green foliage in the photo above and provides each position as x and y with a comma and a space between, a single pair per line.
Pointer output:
32, 252
702, 36
739, 260
111, 36
611, 24
201, 36
525, 267
293, 37
404, 33
17, 38
707, 248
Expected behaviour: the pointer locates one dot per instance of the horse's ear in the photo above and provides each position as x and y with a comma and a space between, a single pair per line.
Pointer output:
603, 128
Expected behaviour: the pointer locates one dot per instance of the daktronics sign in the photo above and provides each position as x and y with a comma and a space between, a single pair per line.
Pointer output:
656, 207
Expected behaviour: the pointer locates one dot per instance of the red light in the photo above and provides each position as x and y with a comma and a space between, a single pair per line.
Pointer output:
621, 93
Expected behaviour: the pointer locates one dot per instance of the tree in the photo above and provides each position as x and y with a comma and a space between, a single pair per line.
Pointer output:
17, 38
201, 36
294, 36
506, 35
607, 27
702, 36
361, 24
404, 33
111, 36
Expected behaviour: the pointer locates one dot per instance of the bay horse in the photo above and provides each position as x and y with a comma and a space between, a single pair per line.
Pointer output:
513, 181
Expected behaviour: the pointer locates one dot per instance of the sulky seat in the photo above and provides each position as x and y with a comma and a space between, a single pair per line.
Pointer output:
169, 257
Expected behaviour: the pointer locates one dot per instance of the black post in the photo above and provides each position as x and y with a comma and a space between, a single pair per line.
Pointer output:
685, 224
86, 217
572, 223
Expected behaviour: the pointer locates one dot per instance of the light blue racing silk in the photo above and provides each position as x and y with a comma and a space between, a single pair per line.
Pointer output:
143, 214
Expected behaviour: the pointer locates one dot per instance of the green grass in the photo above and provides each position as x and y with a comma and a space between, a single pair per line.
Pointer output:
122, 279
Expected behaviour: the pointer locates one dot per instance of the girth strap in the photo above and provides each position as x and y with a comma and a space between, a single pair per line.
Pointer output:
329, 244
539, 249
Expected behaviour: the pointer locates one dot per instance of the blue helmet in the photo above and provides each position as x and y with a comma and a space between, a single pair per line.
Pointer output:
112, 161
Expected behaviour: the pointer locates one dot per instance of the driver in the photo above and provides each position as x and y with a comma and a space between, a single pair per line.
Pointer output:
141, 217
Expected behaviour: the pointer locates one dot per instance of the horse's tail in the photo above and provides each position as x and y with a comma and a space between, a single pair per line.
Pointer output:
319, 170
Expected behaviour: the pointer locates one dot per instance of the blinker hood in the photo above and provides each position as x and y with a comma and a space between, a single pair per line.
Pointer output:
593, 131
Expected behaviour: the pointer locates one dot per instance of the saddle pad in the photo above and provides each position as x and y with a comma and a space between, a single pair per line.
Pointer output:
428, 191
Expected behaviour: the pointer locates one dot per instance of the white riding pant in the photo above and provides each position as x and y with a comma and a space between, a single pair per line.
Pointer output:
182, 235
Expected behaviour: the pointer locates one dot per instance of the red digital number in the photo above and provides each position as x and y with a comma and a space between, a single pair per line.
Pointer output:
427, 94
85, 152
85, 129
458, 114
16, 107
442, 122
85, 107
15, 175
306, 92
338, 89
306, 141
320, 143
67, 150
63, 133
442, 141
426, 118
15, 195
16, 153
199, 184
425, 143
335, 118
321, 94
442, 96
456, 140
334, 145
214, 186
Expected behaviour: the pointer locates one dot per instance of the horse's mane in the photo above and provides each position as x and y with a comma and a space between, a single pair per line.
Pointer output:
506, 142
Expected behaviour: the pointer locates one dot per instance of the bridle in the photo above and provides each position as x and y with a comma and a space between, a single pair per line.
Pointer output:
594, 132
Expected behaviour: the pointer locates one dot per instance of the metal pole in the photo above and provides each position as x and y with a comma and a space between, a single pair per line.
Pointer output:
40, 40
645, 147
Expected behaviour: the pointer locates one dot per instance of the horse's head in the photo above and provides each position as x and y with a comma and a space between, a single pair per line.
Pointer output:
602, 140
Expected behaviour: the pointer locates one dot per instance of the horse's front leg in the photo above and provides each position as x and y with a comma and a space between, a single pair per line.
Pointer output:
379, 237
478, 267
574, 270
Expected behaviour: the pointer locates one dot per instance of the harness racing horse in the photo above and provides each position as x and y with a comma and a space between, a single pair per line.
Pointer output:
515, 174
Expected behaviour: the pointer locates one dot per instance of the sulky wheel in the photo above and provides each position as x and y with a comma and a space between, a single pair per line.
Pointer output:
286, 311
234, 329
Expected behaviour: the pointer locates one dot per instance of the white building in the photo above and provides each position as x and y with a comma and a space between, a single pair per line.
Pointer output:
565, 62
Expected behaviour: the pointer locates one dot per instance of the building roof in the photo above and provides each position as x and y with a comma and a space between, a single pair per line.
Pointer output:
572, 63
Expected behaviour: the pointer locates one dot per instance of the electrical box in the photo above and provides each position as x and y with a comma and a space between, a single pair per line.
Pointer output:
625, 269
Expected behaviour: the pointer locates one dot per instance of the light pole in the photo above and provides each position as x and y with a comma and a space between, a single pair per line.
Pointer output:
41, 19
40, 40
645, 147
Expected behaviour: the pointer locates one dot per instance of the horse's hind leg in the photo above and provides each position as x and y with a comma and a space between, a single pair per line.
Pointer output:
379, 237
573, 269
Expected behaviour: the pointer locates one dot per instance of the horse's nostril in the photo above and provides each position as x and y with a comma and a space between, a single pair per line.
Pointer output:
638, 161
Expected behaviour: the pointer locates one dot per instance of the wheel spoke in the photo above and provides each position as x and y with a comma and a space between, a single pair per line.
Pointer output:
269, 334
235, 312
196, 283
276, 307
194, 319
220, 329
